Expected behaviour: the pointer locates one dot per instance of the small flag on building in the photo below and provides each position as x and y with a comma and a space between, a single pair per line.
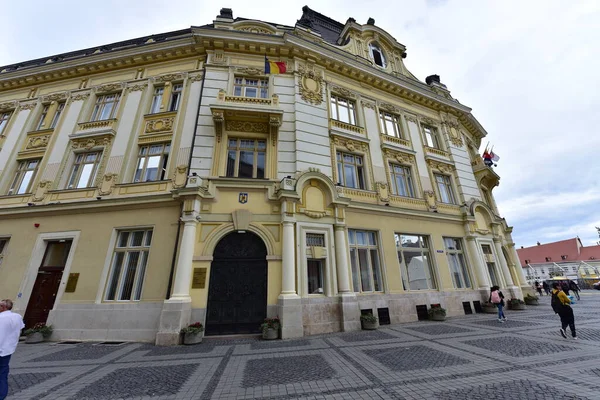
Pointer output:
495, 157
274, 67
487, 158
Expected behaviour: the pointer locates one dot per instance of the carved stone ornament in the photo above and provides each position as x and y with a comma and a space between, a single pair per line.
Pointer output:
41, 190
55, 97
402, 158
389, 108
37, 142
430, 198
169, 77
440, 166
410, 118
247, 126
90, 143
383, 191
109, 87
108, 182
427, 120
180, 177
80, 96
454, 133
249, 71
136, 87
159, 125
8, 105
195, 78
218, 119
218, 57
254, 29
343, 92
351, 145
27, 106
368, 104
311, 84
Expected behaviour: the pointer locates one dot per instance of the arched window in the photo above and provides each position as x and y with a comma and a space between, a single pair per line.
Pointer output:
377, 55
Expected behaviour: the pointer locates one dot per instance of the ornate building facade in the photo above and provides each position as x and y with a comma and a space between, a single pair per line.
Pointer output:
167, 179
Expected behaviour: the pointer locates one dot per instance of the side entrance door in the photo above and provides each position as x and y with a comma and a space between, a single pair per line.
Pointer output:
47, 282
237, 296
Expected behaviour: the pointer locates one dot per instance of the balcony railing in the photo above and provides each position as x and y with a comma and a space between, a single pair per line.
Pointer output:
435, 151
349, 127
395, 140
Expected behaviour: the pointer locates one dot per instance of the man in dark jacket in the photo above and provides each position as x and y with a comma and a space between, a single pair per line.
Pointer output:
564, 310
575, 288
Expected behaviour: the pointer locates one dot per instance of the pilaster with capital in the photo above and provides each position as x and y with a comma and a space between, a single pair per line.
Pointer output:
505, 271
341, 259
480, 272
517, 264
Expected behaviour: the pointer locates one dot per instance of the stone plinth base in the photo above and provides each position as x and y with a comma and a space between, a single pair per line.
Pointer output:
290, 314
174, 316
350, 312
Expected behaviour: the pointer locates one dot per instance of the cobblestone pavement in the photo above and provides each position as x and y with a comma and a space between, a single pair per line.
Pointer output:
469, 357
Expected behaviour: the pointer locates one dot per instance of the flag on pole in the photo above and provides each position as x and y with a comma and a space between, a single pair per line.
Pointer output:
487, 158
495, 157
274, 67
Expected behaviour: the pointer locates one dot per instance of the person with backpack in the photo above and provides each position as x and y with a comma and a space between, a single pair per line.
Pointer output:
562, 306
497, 298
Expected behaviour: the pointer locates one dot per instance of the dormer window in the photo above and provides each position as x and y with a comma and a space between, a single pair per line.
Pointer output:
377, 55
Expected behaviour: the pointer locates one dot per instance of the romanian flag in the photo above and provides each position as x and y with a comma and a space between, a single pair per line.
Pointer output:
274, 67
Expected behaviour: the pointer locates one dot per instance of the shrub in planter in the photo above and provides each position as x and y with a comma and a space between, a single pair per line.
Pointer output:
270, 328
531, 300
516, 304
436, 313
192, 333
368, 321
38, 333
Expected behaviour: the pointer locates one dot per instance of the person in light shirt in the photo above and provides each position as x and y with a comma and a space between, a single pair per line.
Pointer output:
10, 330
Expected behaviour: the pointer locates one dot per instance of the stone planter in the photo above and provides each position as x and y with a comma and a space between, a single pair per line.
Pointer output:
36, 337
192, 338
270, 334
490, 310
518, 307
532, 302
438, 317
369, 326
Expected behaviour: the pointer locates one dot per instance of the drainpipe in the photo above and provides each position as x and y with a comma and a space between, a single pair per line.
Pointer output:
172, 273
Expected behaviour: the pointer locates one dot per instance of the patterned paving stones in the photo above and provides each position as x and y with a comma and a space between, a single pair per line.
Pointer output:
464, 358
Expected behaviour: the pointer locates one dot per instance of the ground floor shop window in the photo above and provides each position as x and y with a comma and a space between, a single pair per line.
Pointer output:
415, 262
364, 258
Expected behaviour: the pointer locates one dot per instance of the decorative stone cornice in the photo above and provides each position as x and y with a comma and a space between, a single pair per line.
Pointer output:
110, 87
401, 157
80, 96
247, 126
427, 120
136, 87
389, 108
196, 77
343, 92
170, 77
90, 143
411, 118
351, 145
249, 71
59, 96
8, 105
311, 84
27, 106
441, 166
368, 104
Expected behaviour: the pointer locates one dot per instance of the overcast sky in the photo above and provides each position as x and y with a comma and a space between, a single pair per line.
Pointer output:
529, 70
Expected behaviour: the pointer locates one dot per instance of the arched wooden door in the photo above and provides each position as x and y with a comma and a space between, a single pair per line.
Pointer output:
237, 296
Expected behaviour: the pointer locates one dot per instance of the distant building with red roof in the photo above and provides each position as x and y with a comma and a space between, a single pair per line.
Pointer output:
567, 258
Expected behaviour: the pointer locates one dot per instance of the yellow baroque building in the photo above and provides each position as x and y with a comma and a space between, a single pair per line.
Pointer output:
168, 179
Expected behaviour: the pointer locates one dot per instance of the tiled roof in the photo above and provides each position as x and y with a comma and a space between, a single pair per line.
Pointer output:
562, 251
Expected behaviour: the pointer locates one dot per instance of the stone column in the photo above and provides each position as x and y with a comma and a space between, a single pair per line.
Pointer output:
520, 273
505, 271
288, 273
176, 311
289, 303
341, 259
481, 276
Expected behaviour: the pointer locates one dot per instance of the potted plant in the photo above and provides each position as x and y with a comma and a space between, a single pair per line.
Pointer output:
516, 304
437, 313
193, 333
368, 321
38, 333
270, 328
489, 308
531, 300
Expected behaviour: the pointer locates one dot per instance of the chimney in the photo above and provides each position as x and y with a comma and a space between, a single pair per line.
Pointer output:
538, 243
226, 13
522, 247
370, 21
432, 78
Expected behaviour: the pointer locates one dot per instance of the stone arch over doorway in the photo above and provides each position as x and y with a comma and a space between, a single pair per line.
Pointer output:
237, 293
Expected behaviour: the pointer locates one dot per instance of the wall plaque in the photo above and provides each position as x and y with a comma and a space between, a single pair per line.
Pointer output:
199, 278
72, 282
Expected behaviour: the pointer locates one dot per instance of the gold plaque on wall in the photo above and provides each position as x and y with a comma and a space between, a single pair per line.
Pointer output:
199, 278
72, 283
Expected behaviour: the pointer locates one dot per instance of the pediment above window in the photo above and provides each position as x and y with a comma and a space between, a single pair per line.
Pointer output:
233, 119
254, 27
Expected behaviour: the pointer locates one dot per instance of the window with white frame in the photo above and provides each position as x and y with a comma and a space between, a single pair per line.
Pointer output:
390, 124
251, 87
316, 278
47, 114
246, 158
3, 245
351, 171
106, 107
402, 181
40, 124
84, 170
444, 185
4, 117
416, 265
377, 55
157, 99
364, 260
456, 261
128, 265
175, 98
491, 266
23, 180
343, 110
432, 138
57, 114
152, 162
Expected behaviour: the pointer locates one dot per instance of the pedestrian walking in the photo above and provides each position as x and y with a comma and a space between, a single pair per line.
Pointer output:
565, 288
546, 288
497, 298
562, 306
575, 289
538, 287
10, 330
